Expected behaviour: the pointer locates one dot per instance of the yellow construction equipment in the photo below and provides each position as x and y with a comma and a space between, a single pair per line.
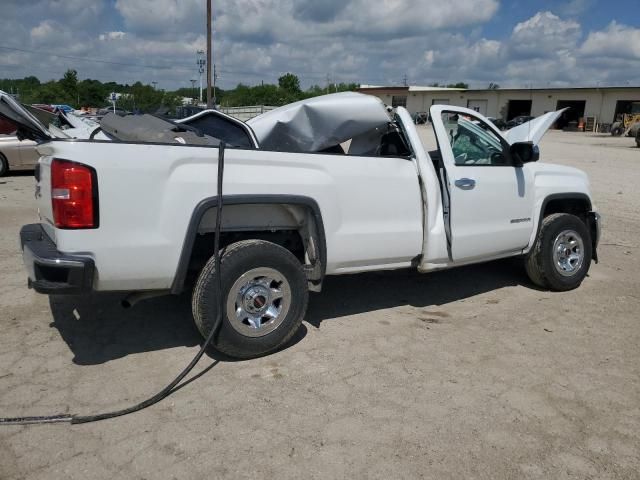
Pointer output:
625, 122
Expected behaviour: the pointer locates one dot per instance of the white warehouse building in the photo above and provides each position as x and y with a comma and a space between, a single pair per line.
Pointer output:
604, 104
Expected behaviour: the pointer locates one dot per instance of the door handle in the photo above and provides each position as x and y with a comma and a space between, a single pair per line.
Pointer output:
466, 183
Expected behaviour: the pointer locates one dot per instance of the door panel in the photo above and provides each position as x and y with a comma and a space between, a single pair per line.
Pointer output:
490, 199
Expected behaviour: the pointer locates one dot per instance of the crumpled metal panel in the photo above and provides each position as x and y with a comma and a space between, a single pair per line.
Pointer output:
319, 123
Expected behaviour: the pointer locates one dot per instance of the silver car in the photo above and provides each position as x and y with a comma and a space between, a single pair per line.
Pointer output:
16, 154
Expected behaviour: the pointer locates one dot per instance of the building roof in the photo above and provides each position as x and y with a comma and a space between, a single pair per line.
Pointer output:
410, 88
418, 88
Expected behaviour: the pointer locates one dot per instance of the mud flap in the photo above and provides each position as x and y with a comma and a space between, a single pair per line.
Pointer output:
593, 221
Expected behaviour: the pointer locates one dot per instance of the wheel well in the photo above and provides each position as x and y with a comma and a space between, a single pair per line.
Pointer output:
577, 204
296, 226
573, 205
203, 246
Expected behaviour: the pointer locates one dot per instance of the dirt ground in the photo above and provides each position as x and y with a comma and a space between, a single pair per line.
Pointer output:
469, 373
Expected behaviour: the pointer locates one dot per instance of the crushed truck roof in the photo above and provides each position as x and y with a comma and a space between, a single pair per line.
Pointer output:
319, 123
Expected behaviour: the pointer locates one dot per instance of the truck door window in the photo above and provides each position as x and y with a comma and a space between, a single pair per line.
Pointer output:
473, 142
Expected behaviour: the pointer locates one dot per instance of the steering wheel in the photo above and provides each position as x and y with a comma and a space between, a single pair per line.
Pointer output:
462, 159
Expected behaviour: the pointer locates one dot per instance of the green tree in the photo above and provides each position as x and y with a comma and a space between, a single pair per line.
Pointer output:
458, 85
69, 86
462, 85
51, 92
289, 82
144, 98
92, 93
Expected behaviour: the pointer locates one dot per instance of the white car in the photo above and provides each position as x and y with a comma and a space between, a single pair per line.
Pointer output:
328, 186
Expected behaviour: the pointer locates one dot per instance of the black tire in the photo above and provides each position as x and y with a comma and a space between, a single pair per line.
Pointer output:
4, 165
540, 263
617, 129
237, 260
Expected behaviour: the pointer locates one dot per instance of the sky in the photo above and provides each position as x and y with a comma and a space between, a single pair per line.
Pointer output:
515, 43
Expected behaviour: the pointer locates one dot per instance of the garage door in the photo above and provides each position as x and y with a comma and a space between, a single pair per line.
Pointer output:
479, 106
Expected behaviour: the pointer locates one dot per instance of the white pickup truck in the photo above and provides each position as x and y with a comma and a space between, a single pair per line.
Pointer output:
329, 186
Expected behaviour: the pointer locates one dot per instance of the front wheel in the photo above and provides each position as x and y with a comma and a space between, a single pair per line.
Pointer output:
561, 256
264, 293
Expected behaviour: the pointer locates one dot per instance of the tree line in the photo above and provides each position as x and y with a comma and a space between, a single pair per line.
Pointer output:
87, 93
145, 98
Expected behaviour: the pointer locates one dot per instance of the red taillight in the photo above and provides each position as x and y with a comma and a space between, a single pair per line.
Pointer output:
73, 195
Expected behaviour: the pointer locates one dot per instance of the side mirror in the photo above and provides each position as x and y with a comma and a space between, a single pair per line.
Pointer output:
524, 152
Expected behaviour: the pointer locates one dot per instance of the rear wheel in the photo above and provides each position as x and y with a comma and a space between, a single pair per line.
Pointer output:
561, 256
617, 129
264, 292
4, 165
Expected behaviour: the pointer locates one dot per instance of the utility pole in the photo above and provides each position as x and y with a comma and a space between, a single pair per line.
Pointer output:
200, 61
215, 79
405, 81
193, 88
209, 76
154, 84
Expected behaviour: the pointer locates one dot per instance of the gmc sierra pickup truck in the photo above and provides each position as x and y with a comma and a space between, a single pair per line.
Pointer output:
333, 185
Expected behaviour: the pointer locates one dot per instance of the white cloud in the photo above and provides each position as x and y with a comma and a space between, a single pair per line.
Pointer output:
108, 36
163, 16
271, 21
50, 33
575, 7
347, 40
43, 31
543, 35
617, 41
411, 17
429, 56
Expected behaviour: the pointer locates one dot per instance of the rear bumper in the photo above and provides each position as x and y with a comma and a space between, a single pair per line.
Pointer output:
51, 271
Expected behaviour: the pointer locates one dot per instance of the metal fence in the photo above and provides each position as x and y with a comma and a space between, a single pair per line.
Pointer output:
246, 113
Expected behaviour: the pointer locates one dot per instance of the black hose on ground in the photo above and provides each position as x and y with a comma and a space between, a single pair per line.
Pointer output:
174, 385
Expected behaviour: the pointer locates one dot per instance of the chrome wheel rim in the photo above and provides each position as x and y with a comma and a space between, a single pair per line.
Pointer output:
258, 302
568, 253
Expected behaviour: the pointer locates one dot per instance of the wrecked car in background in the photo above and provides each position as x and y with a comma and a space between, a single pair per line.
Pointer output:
14, 153
21, 154
329, 186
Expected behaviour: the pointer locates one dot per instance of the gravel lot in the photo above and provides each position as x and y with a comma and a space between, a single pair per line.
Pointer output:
470, 373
